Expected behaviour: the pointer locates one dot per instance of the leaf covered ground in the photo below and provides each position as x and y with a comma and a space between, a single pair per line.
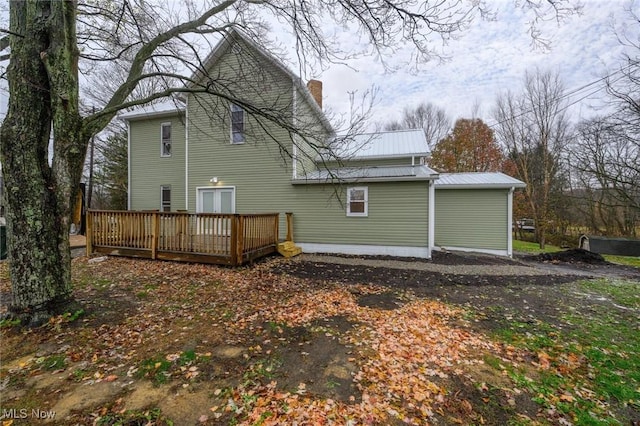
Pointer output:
306, 342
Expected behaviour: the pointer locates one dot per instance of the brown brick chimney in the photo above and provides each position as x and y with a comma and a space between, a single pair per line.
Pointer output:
315, 87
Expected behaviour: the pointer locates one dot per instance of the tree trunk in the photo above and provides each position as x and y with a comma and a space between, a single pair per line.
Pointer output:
43, 88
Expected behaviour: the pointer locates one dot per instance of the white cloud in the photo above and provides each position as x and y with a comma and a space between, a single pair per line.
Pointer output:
491, 57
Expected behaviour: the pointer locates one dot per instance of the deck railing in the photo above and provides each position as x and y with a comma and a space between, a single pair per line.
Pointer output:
230, 239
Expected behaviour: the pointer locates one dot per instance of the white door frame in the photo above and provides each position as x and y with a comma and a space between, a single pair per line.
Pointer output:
204, 188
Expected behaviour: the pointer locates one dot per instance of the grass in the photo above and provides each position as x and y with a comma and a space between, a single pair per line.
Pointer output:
623, 260
590, 365
533, 248
160, 369
122, 418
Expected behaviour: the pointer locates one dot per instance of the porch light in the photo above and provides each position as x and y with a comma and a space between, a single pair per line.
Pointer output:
214, 179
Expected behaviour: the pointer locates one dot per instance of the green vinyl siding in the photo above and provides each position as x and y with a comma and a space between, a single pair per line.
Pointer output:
471, 218
149, 170
260, 169
397, 215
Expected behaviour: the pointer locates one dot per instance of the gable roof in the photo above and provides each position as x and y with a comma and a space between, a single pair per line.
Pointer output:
478, 180
386, 144
227, 43
223, 46
156, 110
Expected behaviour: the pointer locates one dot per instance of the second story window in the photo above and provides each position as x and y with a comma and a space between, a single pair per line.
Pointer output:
237, 124
165, 142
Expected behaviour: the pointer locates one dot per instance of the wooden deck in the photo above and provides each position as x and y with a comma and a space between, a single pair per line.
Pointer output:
228, 239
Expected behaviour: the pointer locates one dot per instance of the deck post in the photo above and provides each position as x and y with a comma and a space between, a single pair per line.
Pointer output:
89, 237
240, 246
289, 226
155, 230
234, 240
276, 227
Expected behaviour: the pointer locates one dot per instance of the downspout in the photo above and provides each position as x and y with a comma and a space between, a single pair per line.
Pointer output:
432, 216
510, 222
128, 165
186, 156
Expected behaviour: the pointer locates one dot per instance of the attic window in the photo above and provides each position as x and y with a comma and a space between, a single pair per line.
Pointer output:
237, 124
165, 140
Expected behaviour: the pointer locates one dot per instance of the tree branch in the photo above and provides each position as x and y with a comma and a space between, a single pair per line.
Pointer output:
117, 101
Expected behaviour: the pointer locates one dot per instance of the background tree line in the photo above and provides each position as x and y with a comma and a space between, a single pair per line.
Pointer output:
581, 177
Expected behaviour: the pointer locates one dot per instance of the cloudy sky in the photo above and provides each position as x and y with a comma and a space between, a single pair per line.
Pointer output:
488, 58
492, 57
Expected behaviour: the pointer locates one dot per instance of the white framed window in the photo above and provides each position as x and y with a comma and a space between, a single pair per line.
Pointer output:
165, 198
237, 124
358, 201
165, 140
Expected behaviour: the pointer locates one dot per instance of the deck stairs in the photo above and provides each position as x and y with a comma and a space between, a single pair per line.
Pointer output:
289, 249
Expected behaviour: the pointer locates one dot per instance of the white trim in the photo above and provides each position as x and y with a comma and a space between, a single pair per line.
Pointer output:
472, 250
128, 165
366, 201
368, 250
432, 215
295, 136
162, 154
186, 156
233, 197
162, 187
510, 223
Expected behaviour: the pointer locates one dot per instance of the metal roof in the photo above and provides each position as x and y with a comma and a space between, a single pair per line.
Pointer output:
477, 181
388, 144
368, 174
167, 107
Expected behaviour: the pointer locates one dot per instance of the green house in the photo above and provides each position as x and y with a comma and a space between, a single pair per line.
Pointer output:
258, 142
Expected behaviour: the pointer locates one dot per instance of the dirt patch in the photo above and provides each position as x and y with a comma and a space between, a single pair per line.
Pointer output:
528, 297
572, 256
215, 338
387, 301
416, 280
86, 396
581, 262
314, 355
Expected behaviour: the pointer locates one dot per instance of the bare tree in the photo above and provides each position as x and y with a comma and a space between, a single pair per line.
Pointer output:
534, 129
605, 160
606, 151
52, 42
426, 116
